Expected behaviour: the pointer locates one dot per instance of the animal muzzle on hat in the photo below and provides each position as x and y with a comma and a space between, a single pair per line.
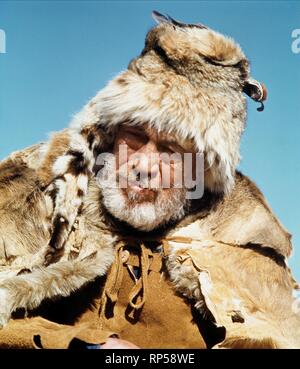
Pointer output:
188, 80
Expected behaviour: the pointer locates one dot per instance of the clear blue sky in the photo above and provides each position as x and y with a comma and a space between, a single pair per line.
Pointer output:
59, 53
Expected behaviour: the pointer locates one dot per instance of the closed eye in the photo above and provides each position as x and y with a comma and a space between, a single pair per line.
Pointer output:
166, 148
170, 147
134, 138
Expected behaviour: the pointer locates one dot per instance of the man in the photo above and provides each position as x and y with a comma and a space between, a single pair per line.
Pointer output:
200, 260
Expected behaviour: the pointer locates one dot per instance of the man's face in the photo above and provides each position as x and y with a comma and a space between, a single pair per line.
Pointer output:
149, 173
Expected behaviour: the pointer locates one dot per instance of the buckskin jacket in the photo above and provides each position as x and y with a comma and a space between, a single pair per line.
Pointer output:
218, 278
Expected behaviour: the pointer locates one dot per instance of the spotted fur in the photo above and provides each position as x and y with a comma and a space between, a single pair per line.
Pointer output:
189, 81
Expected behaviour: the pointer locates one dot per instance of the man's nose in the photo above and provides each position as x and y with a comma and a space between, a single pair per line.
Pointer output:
147, 162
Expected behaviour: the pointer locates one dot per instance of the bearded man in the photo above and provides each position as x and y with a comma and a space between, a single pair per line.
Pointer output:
199, 257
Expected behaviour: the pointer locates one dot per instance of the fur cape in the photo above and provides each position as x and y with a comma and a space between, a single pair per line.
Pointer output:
228, 256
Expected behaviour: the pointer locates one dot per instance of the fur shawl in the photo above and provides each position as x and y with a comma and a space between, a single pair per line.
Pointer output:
228, 256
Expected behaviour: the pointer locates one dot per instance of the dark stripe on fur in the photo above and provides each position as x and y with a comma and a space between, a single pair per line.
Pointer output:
77, 165
90, 139
59, 228
80, 193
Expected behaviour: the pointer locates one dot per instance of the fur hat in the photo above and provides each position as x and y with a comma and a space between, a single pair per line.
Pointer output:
188, 80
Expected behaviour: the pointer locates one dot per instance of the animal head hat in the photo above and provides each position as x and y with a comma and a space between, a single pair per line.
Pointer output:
188, 80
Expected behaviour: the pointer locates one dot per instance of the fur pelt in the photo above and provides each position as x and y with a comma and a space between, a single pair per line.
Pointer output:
233, 266
188, 81
26, 210
234, 270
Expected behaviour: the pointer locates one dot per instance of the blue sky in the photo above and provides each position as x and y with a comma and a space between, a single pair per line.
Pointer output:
59, 53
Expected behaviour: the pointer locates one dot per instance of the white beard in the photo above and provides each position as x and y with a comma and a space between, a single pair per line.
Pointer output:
169, 205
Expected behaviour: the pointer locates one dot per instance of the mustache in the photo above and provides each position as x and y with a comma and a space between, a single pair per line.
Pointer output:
134, 178
136, 197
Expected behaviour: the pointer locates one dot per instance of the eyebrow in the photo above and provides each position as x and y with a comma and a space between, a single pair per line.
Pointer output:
137, 130
171, 142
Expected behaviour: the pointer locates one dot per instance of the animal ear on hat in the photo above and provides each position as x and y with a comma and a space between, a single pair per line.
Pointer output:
161, 18
256, 90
